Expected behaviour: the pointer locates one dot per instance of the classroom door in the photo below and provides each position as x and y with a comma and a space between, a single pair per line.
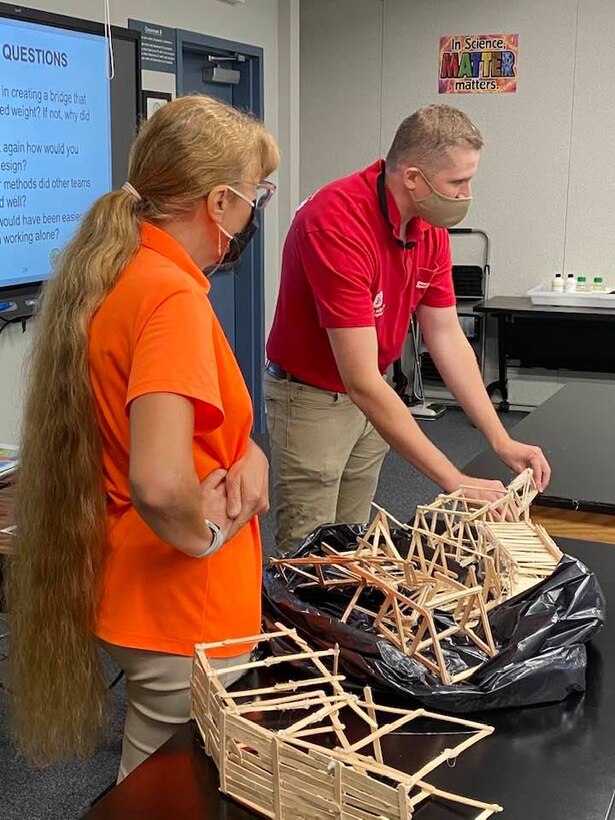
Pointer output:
232, 72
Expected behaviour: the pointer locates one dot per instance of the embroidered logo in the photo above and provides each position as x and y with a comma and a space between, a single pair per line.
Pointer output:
422, 285
379, 305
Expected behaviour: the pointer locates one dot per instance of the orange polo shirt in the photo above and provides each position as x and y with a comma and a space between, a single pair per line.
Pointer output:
156, 332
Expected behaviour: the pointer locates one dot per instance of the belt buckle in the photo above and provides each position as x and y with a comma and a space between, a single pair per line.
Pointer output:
276, 372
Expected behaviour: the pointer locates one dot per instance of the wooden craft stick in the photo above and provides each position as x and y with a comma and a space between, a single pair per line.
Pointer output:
367, 694
315, 717
353, 601
285, 686
339, 784
456, 798
222, 757
271, 661
389, 728
390, 517
461, 676
277, 791
308, 700
265, 636
404, 808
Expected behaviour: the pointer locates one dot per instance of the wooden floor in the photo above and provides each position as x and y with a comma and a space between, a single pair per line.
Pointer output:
572, 524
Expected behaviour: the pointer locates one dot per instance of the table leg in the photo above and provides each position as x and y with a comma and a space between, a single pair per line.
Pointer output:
502, 369
501, 385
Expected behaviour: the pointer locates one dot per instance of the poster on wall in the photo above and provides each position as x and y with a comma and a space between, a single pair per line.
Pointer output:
478, 64
158, 51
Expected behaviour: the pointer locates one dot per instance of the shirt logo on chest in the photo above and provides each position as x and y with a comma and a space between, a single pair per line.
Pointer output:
379, 305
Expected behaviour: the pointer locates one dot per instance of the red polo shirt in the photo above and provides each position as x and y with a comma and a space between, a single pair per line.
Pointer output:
344, 265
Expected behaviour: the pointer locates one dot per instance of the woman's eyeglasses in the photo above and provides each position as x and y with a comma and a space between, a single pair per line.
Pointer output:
264, 191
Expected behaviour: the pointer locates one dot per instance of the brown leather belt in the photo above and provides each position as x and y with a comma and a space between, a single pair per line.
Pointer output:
283, 375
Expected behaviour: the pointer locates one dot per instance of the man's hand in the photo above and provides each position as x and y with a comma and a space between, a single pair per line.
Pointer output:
478, 491
483, 490
247, 487
518, 456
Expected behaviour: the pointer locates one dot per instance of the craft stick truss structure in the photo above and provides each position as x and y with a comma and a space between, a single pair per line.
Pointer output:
285, 773
463, 558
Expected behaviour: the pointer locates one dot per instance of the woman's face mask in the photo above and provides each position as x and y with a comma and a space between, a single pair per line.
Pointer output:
440, 210
237, 242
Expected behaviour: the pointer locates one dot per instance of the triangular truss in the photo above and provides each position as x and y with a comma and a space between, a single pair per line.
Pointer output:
409, 598
464, 557
310, 767
448, 526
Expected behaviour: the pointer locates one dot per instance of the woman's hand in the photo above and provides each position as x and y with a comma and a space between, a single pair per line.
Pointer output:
247, 487
214, 496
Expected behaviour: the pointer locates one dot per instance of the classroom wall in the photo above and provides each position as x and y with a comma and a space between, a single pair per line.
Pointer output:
288, 124
254, 22
544, 191
341, 70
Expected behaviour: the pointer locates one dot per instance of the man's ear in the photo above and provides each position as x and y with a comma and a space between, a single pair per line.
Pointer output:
411, 175
216, 202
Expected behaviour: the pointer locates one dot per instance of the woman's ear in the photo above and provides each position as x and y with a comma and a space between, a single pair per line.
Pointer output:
216, 202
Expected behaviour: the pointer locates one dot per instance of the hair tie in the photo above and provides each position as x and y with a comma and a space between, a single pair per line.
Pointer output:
132, 191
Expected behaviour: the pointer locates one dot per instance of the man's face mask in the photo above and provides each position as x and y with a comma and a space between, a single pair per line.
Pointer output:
239, 242
440, 210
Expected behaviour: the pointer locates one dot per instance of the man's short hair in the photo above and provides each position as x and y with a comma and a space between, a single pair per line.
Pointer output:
423, 138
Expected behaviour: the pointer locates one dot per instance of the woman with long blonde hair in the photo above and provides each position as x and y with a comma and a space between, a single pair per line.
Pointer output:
139, 485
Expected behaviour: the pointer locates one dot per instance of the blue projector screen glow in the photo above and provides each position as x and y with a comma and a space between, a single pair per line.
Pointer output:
55, 142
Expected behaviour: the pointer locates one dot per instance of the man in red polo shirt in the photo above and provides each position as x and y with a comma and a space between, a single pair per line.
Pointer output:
362, 255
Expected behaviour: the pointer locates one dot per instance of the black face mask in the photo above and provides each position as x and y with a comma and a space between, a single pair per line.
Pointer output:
237, 246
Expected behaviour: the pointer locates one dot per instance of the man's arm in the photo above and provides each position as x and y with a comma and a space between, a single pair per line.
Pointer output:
453, 356
356, 354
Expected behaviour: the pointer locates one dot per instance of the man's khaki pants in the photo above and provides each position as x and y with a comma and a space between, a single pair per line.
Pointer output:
326, 459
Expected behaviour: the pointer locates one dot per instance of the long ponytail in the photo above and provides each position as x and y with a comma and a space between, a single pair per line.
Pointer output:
57, 687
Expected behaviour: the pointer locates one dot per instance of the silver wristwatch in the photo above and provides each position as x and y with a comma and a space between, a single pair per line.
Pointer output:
217, 537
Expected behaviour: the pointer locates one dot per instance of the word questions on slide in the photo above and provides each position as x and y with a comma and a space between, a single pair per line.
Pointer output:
55, 142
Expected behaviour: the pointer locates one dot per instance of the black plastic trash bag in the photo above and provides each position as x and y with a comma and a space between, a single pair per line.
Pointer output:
539, 635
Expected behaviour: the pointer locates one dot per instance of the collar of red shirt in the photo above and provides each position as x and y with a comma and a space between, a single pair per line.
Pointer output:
163, 243
415, 229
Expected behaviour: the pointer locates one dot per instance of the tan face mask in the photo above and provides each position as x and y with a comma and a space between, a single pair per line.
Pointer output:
440, 210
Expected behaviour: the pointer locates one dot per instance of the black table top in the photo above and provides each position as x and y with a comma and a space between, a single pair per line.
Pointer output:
576, 430
522, 306
542, 763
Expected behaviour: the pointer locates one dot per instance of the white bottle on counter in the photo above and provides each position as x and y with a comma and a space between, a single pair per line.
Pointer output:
557, 283
570, 285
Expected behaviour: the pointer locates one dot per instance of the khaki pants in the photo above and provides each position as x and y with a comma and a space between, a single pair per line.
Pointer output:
158, 693
326, 459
